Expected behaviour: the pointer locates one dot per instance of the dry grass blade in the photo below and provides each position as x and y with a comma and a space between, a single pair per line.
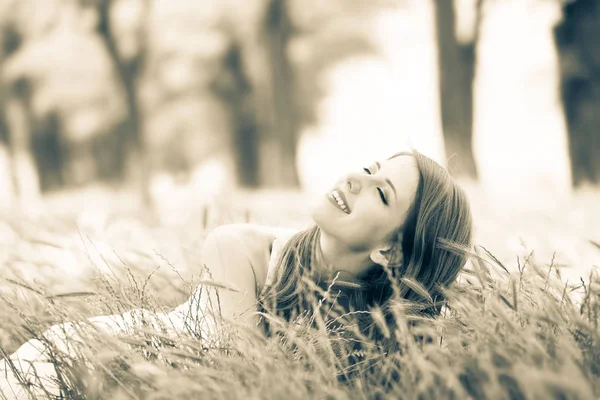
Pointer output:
468, 271
460, 249
46, 242
594, 243
218, 285
72, 294
482, 272
379, 319
24, 286
493, 257
513, 285
417, 287
182, 354
505, 301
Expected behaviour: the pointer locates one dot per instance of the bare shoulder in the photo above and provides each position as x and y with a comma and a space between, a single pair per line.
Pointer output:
250, 241
254, 236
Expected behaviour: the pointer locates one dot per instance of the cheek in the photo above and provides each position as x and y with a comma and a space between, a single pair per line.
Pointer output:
362, 233
373, 225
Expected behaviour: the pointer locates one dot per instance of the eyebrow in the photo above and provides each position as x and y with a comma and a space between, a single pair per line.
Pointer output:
387, 180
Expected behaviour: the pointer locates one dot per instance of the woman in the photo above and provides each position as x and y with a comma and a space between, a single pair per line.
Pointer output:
377, 232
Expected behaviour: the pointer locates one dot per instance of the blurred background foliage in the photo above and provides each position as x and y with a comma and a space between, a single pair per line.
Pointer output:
115, 90
138, 92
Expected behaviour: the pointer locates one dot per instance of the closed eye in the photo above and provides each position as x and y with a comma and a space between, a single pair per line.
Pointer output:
381, 194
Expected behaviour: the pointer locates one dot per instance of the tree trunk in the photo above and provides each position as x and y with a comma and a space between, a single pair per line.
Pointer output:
129, 73
579, 52
271, 88
280, 142
456, 64
7, 194
48, 151
25, 173
233, 87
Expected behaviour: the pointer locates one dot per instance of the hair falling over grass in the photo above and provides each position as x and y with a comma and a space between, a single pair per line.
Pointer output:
500, 335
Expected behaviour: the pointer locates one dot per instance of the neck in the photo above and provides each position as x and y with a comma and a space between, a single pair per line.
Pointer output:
337, 257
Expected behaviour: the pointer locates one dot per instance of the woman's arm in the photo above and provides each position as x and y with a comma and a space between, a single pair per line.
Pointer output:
234, 259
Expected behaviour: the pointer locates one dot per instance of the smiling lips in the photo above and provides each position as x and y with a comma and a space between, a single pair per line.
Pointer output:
340, 201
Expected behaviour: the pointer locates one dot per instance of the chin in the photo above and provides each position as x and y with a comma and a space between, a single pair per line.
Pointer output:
323, 218
319, 215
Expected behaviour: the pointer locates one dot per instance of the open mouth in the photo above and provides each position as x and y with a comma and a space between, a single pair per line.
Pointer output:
340, 201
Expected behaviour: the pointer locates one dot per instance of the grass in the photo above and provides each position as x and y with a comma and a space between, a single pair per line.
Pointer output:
514, 332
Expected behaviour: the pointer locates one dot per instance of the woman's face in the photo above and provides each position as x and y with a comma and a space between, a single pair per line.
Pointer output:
366, 207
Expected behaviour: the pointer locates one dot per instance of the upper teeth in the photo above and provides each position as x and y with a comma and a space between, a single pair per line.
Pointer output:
339, 200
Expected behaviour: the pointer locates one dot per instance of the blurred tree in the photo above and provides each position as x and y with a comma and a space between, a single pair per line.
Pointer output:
188, 127
110, 76
20, 173
8, 42
7, 194
285, 46
129, 69
579, 52
20, 118
73, 97
15, 98
267, 137
105, 83
280, 138
48, 148
456, 64
232, 85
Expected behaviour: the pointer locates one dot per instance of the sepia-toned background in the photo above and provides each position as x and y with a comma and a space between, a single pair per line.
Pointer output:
185, 107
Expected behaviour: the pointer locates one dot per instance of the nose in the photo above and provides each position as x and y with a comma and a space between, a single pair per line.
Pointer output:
356, 182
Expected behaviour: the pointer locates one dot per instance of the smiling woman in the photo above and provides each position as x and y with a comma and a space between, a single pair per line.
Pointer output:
399, 221
376, 204
401, 227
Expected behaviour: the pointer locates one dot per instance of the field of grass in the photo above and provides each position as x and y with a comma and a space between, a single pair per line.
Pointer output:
520, 323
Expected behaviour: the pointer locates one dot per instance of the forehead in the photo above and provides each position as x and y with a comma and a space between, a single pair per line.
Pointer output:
404, 174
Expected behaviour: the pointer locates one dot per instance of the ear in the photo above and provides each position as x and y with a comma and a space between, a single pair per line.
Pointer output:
378, 256
382, 255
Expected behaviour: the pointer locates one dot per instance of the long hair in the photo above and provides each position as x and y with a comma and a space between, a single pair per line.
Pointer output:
437, 225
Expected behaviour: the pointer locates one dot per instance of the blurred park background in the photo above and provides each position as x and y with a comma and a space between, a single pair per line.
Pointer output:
184, 107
